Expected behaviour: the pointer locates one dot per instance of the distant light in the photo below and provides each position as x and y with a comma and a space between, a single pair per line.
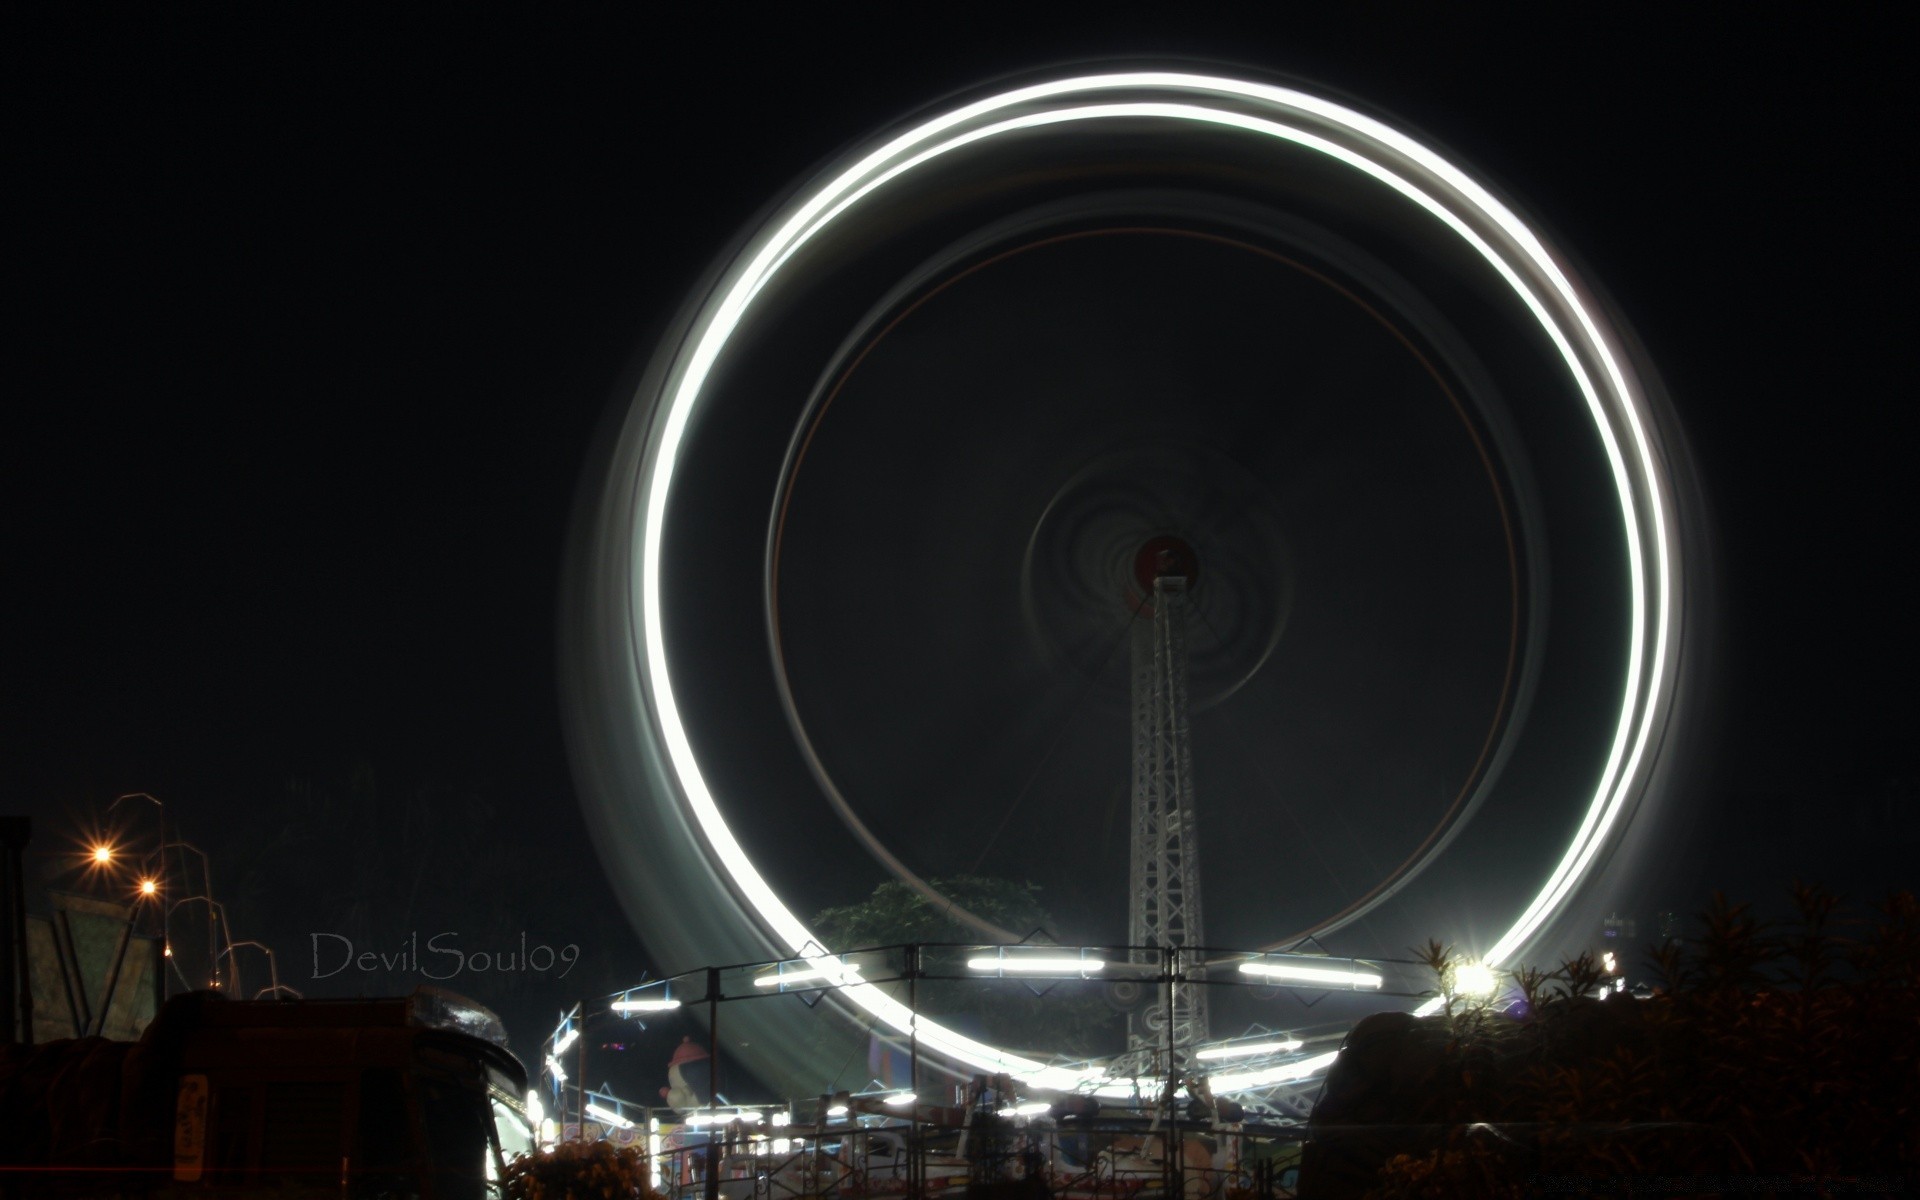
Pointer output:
608, 1116
102, 855
149, 887
1249, 1049
167, 951
900, 1099
1609, 962
566, 1039
1475, 979
840, 974
1294, 971
633, 1006
1037, 965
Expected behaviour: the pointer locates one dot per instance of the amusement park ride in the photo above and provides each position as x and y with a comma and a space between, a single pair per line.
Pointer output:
686, 846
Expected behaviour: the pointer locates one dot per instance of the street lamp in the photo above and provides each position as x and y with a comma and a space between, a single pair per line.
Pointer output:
153, 883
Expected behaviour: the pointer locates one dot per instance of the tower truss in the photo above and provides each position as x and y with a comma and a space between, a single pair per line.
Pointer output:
1165, 877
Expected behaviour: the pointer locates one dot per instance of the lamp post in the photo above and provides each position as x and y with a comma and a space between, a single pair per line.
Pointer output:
170, 842
273, 967
214, 907
206, 887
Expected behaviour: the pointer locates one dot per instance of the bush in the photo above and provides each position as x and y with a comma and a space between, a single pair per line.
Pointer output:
580, 1171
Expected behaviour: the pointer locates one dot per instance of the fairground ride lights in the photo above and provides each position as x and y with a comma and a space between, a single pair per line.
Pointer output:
634, 1006
745, 1116
1034, 1108
1419, 175
899, 1099
553, 1065
609, 1117
1248, 1049
565, 1040
1037, 965
1303, 974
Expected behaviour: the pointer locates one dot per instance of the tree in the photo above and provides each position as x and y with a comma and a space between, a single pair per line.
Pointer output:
1069, 1018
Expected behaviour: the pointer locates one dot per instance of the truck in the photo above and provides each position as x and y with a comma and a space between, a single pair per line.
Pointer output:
414, 1096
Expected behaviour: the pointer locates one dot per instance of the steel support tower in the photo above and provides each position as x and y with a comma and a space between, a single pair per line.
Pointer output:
1165, 879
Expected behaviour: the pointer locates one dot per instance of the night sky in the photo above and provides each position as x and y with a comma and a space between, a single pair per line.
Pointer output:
314, 323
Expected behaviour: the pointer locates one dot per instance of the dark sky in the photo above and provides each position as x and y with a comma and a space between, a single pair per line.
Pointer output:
314, 322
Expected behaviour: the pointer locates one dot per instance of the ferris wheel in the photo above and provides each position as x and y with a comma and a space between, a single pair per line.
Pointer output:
1183, 482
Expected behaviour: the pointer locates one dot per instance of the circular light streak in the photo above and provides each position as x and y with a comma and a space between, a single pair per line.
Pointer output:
1589, 348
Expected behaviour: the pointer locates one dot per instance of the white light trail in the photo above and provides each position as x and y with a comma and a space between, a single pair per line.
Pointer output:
832, 974
1266, 1077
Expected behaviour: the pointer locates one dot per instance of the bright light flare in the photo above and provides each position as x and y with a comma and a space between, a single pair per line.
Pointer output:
1475, 979
149, 887
899, 1100
102, 855
565, 1040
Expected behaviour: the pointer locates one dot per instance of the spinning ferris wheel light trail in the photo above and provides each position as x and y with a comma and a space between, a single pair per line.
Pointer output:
636, 667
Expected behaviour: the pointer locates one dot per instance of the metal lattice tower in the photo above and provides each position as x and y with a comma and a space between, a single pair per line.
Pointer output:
1165, 879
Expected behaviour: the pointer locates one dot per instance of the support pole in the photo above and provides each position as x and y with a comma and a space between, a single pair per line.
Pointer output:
713, 1081
916, 1167
16, 981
